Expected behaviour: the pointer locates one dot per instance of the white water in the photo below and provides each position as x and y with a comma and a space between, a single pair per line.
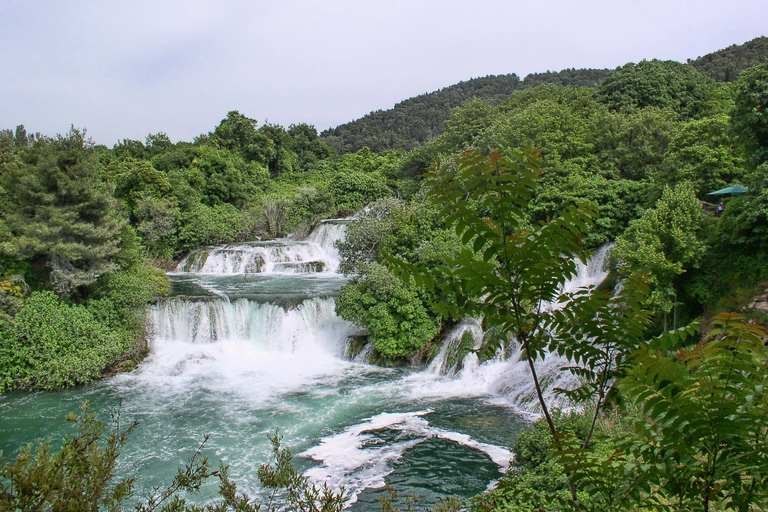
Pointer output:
233, 357
313, 255
358, 459
506, 378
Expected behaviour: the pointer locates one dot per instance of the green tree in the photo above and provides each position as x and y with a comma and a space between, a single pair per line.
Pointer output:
63, 212
393, 314
509, 274
697, 435
750, 115
655, 83
703, 153
665, 242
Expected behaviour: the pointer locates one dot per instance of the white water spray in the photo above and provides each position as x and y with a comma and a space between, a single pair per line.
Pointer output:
316, 254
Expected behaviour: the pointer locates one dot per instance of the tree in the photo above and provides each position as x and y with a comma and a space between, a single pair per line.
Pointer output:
394, 315
63, 212
666, 241
509, 274
697, 438
750, 115
703, 153
655, 83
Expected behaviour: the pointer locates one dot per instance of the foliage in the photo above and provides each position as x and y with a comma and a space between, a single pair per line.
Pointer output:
659, 84
697, 438
506, 273
750, 119
663, 244
52, 345
419, 119
204, 225
351, 191
703, 153
62, 212
393, 313
81, 476
725, 65
744, 224
78, 477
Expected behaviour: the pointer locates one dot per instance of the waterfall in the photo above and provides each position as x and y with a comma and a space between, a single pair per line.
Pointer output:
315, 254
593, 272
506, 378
463, 337
263, 326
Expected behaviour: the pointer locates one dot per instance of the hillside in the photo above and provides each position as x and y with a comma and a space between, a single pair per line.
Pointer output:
419, 119
725, 65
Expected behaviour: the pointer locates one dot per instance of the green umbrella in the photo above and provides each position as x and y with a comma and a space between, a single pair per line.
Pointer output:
733, 190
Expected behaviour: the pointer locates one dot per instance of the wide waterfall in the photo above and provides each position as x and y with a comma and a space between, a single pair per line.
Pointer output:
248, 342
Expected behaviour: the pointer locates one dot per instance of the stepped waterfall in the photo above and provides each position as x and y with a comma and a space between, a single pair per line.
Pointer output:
248, 342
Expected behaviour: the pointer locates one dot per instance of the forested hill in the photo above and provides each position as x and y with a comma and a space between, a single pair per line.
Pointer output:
726, 64
419, 119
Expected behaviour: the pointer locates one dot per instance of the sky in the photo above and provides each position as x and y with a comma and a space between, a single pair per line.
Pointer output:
128, 69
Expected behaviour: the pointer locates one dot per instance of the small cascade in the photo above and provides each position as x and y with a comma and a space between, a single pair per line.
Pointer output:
593, 272
327, 233
455, 351
506, 377
316, 254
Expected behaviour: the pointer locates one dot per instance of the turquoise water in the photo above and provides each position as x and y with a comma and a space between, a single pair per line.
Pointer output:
238, 356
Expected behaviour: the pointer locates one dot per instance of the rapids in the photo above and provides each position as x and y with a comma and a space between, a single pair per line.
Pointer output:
249, 342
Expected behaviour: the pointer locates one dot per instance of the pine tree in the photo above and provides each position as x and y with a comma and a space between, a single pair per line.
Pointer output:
61, 211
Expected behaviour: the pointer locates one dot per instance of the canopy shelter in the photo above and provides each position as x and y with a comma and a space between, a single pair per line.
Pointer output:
733, 190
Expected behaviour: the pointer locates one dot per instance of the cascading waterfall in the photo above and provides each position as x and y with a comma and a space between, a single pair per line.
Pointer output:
505, 379
313, 255
249, 342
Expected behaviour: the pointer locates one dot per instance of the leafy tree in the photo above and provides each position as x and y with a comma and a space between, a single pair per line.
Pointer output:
51, 345
393, 314
308, 146
659, 84
632, 146
744, 224
556, 120
351, 191
134, 178
205, 225
703, 153
725, 65
510, 274
219, 177
156, 220
511, 271
697, 437
666, 241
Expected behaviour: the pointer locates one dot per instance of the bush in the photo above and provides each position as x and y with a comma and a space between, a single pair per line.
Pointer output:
53, 345
395, 315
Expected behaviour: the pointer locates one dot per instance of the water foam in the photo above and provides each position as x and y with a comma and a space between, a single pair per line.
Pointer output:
359, 458
316, 254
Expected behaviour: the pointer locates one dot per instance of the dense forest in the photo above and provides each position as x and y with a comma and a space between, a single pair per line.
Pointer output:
453, 202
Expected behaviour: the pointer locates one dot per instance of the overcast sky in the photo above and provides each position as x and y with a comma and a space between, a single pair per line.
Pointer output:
124, 69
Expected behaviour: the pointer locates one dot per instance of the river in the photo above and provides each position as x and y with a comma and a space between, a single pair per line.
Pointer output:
249, 343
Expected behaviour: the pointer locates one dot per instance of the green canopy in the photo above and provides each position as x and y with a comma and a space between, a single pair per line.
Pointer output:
733, 190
